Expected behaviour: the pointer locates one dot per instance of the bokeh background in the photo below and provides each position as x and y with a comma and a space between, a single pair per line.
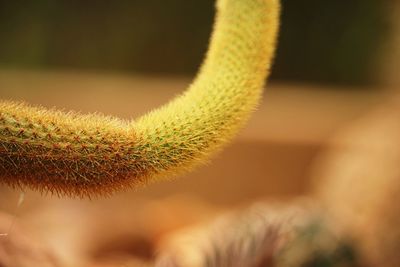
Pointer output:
336, 62
338, 42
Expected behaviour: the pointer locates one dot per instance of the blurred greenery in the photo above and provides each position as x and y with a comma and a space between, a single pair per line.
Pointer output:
321, 41
336, 41
146, 36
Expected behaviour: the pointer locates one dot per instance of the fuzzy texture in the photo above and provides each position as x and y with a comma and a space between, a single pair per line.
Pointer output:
76, 155
263, 235
248, 238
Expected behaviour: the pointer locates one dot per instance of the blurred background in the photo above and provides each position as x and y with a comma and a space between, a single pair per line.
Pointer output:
336, 61
334, 42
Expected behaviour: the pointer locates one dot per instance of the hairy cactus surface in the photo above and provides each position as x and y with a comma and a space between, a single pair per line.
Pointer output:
86, 155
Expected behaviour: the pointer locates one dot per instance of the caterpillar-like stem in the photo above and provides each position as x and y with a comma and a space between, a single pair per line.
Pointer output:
87, 155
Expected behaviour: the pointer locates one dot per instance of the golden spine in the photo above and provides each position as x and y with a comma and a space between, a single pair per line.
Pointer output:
86, 155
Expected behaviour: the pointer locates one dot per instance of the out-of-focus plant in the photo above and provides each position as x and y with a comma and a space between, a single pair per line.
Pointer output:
295, 235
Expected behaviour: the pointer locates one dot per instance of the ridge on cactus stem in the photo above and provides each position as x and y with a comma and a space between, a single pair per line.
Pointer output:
90, 155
